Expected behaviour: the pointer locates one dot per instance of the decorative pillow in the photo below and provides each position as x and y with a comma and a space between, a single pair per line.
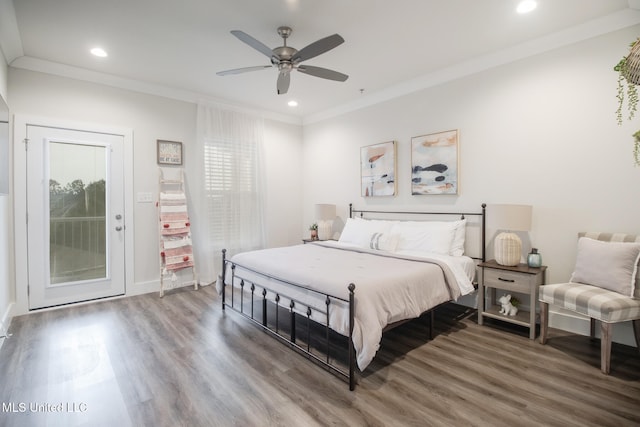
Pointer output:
358, 231
608, 265
425, 236
457, 246
383, 242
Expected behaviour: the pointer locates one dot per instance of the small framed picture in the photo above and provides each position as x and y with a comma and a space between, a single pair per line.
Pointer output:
378, 169
169, 153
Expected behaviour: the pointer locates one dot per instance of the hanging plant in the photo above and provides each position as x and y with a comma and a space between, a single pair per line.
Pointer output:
628, 69
627, 75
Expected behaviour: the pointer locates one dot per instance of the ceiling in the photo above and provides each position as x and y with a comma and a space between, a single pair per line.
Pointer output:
174, 48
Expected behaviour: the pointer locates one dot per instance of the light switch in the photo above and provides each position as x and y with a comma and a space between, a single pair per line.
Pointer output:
145, 197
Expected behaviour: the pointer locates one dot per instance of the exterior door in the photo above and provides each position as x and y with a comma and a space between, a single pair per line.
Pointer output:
75, 216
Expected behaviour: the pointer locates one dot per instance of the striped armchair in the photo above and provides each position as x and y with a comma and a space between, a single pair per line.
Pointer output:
605, 286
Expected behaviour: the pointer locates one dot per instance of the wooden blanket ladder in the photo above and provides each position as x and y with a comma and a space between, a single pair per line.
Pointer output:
176, 250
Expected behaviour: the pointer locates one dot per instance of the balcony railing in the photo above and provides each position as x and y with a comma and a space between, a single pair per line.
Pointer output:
77, 248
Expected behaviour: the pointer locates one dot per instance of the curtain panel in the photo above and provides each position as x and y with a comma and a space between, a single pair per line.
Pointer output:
230, 208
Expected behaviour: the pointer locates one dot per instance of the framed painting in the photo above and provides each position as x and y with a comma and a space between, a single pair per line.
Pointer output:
169, 153
378, 169
434, 163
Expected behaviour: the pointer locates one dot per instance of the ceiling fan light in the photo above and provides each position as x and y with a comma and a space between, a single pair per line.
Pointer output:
526, 6
99, 52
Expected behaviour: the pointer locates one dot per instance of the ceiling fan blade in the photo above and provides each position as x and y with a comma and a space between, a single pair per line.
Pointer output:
284, 78
322, 73
317, 48
257, 45
242, 70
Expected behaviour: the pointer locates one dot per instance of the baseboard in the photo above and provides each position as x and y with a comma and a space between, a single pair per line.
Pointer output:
140, 288
469, 300
148, 287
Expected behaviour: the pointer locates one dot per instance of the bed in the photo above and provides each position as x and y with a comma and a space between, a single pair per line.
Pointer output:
386, 268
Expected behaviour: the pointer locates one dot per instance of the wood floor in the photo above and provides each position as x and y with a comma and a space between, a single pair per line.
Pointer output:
179, 360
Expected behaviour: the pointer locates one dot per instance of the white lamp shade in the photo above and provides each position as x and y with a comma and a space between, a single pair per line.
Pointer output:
508, 246
325, 212
510, 217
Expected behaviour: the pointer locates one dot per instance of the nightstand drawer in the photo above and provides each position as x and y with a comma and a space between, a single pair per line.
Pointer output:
507, 280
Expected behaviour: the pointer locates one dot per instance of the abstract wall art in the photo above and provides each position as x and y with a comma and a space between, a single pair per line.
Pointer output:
378, 169
434, 163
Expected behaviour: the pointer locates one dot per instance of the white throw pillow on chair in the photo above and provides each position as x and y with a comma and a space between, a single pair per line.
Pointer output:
608, 265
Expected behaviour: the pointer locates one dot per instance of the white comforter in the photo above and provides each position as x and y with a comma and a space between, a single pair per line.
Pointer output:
389, 286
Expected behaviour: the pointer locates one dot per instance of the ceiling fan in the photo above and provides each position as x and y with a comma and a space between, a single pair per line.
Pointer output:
287, 58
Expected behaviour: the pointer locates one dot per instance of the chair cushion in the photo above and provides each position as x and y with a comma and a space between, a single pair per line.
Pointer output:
609, 265
602, 304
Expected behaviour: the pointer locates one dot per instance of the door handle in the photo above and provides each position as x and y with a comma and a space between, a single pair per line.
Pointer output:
119, 228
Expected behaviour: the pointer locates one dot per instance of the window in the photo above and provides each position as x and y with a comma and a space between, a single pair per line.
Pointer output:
232, 181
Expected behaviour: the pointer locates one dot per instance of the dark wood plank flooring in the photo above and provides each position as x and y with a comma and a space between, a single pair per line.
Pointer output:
179, 360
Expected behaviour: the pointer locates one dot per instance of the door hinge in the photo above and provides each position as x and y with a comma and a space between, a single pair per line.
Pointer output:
28, 290
26, 143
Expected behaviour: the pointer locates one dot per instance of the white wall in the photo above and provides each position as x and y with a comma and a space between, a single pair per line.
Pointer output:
540, 131
152, 118
283, 160
3, 76
6, 206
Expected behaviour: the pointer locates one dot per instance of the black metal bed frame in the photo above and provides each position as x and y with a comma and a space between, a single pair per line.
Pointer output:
269, 296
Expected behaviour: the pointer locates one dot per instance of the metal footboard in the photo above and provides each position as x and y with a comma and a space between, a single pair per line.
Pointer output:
264, 308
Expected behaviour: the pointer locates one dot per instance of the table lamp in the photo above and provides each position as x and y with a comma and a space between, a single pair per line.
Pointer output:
507, 245
325, 214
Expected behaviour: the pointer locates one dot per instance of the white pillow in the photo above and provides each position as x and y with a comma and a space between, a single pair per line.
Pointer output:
358, 231
608, 265
457, 246
425, 236
384, 242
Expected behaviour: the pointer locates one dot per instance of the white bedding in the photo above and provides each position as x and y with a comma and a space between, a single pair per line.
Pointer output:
389, 286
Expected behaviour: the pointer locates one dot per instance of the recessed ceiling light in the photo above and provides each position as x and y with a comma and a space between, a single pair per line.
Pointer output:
98, 51
526, 6
292, 103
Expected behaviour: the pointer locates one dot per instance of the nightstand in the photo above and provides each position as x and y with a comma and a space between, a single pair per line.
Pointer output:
521, 279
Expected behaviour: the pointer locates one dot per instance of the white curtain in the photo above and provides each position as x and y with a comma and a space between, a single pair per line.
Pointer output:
229, 212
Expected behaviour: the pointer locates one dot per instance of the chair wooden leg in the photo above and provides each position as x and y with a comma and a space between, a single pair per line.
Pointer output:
605, 347
636, 332
544, 321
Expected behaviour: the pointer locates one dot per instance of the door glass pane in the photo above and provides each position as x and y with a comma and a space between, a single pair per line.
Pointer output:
77, 202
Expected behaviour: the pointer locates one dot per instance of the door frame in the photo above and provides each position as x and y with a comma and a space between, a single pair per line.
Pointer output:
20, 123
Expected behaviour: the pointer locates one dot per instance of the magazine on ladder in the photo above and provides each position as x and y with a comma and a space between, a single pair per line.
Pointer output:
176, 248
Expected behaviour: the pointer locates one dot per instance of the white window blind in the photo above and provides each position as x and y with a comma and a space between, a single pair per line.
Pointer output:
232, 182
